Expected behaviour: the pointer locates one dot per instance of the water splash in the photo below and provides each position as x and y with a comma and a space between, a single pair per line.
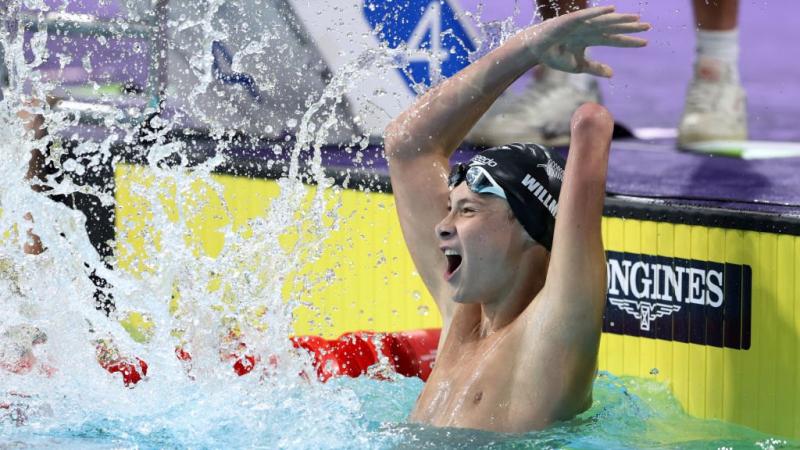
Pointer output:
207, 303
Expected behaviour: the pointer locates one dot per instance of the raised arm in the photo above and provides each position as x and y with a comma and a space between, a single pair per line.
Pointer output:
420, 141
565, 321
576, 277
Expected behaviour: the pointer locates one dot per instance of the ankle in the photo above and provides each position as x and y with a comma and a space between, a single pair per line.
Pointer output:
716, 71
717, 57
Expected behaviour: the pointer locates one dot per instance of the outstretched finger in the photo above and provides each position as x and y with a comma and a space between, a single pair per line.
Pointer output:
612, 19
626, 28
578, 19
619, 40
596, 68
591, 13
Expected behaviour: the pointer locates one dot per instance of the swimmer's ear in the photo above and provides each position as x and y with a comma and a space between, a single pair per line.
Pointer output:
526, 238
529, 242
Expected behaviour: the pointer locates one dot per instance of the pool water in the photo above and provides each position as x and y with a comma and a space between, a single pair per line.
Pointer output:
358, 413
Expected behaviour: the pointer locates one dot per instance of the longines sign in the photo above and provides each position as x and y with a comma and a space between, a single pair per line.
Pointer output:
675, 299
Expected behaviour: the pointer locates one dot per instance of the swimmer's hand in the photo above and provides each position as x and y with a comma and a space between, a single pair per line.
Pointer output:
561, 42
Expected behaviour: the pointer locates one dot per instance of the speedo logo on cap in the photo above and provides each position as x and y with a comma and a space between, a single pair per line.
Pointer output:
541, 193
480, 160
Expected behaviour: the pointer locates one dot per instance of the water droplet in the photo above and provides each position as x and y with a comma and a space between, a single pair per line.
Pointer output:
422, 310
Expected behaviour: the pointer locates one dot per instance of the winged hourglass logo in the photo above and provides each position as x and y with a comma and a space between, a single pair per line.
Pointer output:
644, 311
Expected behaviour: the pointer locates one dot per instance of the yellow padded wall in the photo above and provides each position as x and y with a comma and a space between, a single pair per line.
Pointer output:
372, 284
757, 387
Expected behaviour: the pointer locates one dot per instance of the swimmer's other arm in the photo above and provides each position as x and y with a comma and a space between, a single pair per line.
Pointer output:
419, 142
565, 323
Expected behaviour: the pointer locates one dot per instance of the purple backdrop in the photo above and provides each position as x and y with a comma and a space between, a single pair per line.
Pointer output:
647, 91
648, 86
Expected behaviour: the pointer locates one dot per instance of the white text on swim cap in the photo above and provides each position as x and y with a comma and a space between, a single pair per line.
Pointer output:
480, 160
541, 193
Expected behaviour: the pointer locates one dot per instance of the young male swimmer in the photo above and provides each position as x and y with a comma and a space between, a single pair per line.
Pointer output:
521, 294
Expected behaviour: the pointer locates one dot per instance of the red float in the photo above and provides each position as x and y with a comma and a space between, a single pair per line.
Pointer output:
410, 353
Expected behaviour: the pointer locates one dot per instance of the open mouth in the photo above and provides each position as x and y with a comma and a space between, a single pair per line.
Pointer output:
453, 262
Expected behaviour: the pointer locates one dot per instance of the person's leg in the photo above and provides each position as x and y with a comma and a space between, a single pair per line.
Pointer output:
717, 33
542, 112
716, 15
549, 9
554, 8
34, 124
715, 102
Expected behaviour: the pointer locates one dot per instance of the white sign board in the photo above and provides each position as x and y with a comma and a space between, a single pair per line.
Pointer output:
394, 49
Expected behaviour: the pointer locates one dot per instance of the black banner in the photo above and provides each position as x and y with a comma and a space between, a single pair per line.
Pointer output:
676, 299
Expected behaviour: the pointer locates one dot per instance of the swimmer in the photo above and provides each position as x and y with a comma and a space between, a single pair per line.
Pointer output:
521, 294
17, 343
43, 166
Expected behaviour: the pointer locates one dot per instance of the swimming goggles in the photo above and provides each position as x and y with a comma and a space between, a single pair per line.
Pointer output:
478, 180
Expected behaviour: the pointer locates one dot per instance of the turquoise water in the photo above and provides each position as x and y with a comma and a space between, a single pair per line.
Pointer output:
365, 413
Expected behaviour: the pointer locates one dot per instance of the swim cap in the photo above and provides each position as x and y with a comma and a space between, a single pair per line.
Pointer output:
531, 177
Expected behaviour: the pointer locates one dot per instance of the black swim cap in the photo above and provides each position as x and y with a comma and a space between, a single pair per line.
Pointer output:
531, 177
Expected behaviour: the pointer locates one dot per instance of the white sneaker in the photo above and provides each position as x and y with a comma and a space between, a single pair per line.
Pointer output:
715, 105
541, 114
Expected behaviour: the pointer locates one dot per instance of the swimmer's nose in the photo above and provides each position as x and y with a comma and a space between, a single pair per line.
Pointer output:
445, 229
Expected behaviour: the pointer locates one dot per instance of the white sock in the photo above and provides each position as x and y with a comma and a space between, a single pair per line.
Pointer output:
722, 46
582, 81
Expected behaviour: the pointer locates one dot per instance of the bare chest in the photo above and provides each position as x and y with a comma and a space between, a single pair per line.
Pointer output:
471, 386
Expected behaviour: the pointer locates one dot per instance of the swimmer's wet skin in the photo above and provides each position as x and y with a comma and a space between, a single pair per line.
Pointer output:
521, 294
